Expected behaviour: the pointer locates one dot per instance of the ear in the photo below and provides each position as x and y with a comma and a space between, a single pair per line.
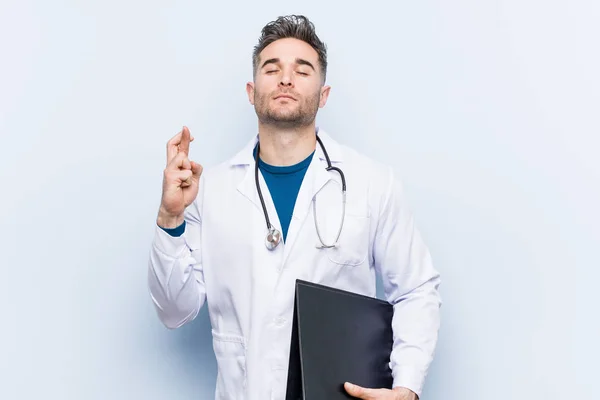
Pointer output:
324, 96
250, 92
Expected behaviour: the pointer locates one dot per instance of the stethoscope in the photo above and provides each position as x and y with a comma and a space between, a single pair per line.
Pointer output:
274, 235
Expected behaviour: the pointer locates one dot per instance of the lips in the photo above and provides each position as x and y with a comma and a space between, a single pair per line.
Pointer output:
284, 96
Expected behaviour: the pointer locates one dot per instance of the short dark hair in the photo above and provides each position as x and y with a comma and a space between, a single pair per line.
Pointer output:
291, 26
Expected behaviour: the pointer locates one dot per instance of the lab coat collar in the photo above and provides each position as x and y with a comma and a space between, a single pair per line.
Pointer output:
244, 157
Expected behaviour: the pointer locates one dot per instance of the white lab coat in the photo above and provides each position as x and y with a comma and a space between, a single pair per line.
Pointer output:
222, 259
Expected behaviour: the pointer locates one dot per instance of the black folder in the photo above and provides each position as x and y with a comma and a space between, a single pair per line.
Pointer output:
337, 336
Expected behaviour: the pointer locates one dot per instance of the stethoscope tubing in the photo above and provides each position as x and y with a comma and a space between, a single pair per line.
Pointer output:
273, 235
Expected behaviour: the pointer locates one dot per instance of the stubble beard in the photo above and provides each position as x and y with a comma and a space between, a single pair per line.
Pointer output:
301, 116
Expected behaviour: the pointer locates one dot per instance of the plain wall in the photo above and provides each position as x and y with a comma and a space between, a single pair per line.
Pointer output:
488, 111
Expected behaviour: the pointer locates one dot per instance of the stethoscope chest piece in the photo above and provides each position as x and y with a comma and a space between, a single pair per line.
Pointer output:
273, 238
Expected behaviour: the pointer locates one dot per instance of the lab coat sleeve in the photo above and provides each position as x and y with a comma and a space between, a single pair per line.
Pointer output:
411, 284
175, 274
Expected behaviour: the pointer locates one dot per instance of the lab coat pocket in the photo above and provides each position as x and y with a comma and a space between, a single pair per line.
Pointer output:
353, 245
230, 352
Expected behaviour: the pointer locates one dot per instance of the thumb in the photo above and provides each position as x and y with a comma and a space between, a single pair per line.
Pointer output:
357, 391
196, 169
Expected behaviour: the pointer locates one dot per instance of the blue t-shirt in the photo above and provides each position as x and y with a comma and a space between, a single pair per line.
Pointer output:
283, 183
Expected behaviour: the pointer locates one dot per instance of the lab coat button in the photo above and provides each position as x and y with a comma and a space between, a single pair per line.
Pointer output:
279, 321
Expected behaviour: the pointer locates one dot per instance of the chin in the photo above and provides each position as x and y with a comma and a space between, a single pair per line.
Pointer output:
284, 115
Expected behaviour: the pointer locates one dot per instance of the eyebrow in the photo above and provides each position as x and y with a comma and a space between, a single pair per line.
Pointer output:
299, 61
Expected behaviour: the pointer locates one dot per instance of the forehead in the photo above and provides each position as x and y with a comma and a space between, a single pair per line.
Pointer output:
288, 50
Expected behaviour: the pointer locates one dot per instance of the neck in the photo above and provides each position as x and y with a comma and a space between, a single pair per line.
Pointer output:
283, 146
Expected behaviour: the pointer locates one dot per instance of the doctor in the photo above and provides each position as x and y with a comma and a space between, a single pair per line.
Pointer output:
239, 234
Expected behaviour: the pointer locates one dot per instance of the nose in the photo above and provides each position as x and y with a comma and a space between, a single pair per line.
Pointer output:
287, 79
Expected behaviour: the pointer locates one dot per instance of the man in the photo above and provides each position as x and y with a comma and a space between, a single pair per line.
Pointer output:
238, 238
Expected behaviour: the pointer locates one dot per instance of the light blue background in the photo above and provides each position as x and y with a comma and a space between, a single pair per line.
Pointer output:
489, 111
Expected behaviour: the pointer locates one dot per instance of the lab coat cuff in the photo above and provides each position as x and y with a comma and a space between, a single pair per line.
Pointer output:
409, 377
169, 245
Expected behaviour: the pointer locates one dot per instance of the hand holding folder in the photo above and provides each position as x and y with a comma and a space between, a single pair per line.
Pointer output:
398, 393
338, 337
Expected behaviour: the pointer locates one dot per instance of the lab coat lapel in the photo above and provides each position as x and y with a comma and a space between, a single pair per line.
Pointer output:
247, 187
244, 159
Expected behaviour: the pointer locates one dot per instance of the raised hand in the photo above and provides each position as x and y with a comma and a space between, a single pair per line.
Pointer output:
180, 181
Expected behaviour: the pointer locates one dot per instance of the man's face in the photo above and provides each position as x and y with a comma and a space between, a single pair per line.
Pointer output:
287, 90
